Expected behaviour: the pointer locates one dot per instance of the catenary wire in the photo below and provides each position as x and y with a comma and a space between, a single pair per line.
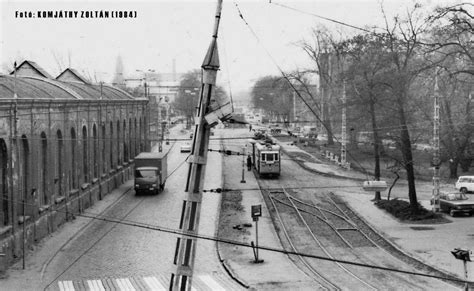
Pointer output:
237, 243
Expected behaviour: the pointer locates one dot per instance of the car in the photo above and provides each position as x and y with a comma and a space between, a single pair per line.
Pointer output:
185, 147
455, 203
465, 184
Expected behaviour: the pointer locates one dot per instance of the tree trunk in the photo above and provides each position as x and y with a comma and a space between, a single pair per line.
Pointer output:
327, 125
407, 154
453, 168
376, 145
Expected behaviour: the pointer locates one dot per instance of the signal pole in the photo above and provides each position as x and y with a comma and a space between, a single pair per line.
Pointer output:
344, 133
190, 214
436, 158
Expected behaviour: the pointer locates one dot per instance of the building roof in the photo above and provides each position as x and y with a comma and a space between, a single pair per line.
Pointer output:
29, 68
71, 75
30, 81
30, 87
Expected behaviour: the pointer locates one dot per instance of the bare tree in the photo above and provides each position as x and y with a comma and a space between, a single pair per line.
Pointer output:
323, 52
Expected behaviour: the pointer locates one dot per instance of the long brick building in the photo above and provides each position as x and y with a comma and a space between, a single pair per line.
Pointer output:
64, 144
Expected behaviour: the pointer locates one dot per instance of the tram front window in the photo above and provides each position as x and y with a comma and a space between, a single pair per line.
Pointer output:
269, 157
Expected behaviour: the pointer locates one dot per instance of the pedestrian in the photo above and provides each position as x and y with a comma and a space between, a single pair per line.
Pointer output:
250, 127
249, 163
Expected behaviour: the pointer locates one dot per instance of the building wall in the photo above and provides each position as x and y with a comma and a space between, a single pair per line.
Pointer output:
67, 155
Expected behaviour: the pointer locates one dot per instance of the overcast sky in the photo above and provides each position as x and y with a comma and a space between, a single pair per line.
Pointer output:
181, 30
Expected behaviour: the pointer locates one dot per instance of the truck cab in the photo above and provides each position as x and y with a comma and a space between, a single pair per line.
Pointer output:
148, 179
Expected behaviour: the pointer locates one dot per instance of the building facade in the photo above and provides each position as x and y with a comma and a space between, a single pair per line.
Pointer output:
64, 144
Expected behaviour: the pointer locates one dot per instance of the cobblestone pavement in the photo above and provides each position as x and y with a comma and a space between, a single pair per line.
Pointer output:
97, 255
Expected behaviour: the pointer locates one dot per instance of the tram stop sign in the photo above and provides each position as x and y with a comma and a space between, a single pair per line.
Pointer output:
256, 211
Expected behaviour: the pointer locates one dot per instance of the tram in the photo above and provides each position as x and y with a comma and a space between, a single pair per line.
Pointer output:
266, 158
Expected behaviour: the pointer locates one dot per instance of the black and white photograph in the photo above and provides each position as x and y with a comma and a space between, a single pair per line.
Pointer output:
198, 145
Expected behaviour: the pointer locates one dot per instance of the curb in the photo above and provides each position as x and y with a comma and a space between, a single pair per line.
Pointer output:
224, 264
400, 249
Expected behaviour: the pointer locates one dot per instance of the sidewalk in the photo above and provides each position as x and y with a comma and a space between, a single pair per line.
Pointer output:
430, 243
277, 272
38, 259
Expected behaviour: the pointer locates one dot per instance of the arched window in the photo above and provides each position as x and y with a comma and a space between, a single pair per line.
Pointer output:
24, 169
118, 144
5, 201
125, 142
103, 161
73, 178
141, 135
135, 139
85, 152
59, 161
94, 151
111, 145
130, 140
44, 193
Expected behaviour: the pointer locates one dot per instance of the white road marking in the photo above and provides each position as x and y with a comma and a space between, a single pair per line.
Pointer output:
66, 286
125, 284
95, 285
154, 284
209, 281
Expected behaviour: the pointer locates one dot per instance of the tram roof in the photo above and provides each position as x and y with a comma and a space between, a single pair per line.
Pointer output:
268, 146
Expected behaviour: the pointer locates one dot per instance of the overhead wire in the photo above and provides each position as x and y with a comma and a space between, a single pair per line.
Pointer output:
293, 86
123, 221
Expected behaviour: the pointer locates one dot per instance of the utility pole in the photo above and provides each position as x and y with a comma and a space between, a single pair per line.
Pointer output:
16, 166
344, 133
294, 109
190, 214
436, 158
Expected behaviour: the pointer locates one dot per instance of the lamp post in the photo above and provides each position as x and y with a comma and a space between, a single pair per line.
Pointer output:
243, 166
149, 111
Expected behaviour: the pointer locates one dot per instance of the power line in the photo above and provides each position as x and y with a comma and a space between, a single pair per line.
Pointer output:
293, 86
323, 17
123, 221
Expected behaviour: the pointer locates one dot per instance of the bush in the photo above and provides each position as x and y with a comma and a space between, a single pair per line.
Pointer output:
401, 209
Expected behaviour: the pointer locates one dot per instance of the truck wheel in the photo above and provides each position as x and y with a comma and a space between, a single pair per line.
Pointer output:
463, 190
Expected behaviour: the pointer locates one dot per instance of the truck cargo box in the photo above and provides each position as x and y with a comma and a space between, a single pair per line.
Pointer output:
144, 163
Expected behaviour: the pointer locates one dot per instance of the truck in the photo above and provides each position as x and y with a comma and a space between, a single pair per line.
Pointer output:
151, 170
310, 132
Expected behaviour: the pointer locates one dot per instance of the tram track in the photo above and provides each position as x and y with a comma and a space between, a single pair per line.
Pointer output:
343, 234
299, 212
98, 239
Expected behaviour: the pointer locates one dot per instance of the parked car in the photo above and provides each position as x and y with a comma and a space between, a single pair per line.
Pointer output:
455, 203
185, 147
465, 184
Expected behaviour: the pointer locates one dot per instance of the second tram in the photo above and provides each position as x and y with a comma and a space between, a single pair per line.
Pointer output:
266, 158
